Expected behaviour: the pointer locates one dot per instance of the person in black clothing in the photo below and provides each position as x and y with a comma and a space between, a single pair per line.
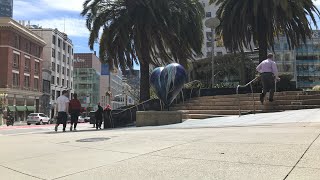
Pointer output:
98, 115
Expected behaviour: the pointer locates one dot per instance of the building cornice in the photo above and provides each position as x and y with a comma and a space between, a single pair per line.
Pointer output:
6, 22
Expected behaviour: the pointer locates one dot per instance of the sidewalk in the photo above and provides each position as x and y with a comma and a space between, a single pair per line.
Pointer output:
17, 123
276, 146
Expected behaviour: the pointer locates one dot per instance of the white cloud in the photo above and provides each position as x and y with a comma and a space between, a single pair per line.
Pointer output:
71, 26
66, 5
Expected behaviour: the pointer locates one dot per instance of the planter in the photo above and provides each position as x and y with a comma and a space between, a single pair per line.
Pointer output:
158, 118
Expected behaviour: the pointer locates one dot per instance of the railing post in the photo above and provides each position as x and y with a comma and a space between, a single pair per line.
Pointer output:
238, 100
254, 102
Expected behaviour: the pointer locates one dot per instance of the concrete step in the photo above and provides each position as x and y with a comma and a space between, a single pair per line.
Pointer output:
235, 98
202, 116
243, 103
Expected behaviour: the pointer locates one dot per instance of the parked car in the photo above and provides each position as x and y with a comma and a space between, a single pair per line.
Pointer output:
81, 119
87, 119
38, 118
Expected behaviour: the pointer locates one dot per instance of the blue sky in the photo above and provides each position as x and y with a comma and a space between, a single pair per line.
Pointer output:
61, 14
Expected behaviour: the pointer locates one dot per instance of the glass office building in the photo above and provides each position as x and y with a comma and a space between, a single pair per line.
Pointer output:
303, 62
87, 86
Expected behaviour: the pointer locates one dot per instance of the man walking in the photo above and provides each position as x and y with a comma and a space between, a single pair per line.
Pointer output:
269, 72
74, 108
62, 108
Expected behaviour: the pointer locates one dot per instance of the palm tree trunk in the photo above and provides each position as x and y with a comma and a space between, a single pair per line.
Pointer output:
263, 49
144, 82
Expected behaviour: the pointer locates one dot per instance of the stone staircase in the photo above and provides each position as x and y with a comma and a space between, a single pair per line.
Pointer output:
226, 105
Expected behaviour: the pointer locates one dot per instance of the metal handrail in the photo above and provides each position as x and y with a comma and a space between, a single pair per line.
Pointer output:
135, 106
243, 86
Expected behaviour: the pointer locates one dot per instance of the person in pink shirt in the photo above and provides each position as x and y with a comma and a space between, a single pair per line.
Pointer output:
269, 72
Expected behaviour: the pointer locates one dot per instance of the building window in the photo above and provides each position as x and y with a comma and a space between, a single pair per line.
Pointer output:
38, 51
27, 64
64, 46
27, 47
72, 51
58, 81
59, 42
69, 49
67, 83
64, 58
68, 72
58, 94
63, 70
17, 41
36, 83
36, 67
53, 53
208, 14
71, 85
62, 82
15, 80
53, 39
52, 79
53, 66
26, 81
68, 60
58, 68
59, 56
52, 94
16, 61
209, 36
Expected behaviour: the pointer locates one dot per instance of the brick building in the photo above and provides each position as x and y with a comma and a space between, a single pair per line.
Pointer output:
21, 68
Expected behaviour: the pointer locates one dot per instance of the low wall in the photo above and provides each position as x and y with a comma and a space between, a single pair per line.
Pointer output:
158, 118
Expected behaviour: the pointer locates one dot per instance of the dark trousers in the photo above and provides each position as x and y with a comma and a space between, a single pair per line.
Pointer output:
98, 122
268, 85
74, 118
62, 119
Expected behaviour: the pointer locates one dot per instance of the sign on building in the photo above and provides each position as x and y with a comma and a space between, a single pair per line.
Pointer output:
6, 8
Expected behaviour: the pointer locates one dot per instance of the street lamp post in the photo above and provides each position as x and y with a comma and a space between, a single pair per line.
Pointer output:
212, 23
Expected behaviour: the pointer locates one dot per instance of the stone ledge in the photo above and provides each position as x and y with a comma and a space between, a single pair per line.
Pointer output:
158, 118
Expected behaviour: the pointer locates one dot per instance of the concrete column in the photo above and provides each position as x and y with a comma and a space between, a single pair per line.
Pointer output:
35, 104
25, 112
14, 105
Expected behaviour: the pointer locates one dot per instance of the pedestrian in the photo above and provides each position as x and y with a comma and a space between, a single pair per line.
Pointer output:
107, 117
98, 116
62, 107
269, 73
74, 109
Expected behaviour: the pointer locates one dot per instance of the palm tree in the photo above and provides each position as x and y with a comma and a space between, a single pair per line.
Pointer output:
144, 32
261, 21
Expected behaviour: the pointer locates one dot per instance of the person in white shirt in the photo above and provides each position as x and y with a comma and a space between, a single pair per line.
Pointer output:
269, 72
62, 109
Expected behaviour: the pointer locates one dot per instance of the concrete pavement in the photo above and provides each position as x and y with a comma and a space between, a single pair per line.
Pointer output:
276, 146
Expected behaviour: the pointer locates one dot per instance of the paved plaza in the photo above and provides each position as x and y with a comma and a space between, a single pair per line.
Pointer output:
283, 145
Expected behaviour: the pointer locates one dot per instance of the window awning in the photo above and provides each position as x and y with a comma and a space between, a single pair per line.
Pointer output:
11, 108
21, 108
31, 109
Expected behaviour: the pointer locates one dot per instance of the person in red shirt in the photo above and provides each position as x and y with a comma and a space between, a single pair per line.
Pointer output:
74, 108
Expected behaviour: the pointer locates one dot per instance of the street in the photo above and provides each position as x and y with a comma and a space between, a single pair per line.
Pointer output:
25, 129
283, 145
